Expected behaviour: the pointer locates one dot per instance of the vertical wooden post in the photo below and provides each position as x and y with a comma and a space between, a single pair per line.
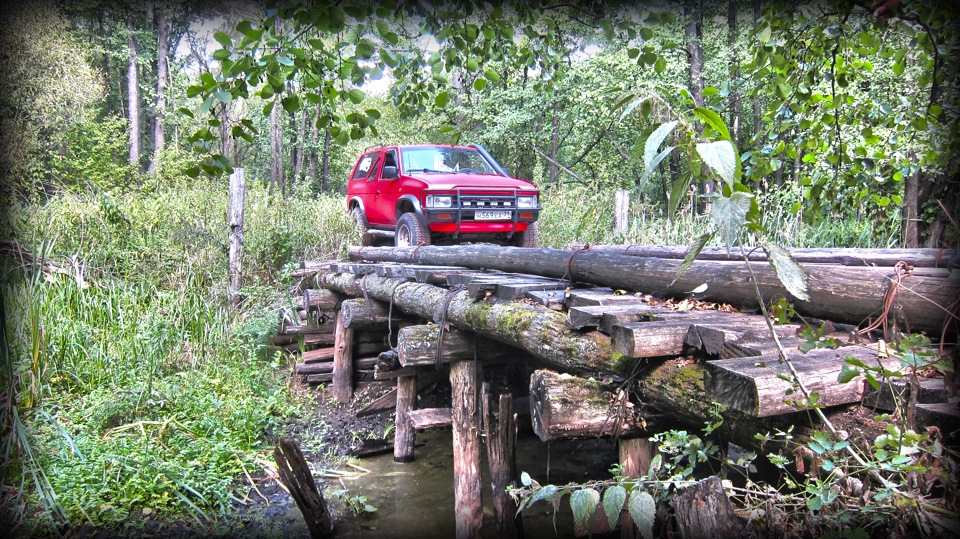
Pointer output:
342, 362
405, 437
621, 211
295, 475
635, 457
235, 238
468, 501
501, 433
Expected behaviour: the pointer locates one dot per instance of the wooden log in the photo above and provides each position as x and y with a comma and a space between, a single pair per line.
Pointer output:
635, 457
565, 407
539, 331
342, 362
839, 293
405, 437
319, 368
305, 329
380, 373
927, 258
500, 429
468, 502
704, 511
320, 299
296, 476
650, 339
320, 378
319, 355
755, 385
418, 346
431, 417
590, 316
369, 314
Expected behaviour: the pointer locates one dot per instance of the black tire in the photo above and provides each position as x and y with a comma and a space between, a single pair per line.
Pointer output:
366, 240
411, 231
527, 238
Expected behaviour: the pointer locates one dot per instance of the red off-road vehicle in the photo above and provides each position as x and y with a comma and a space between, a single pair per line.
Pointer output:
437, 194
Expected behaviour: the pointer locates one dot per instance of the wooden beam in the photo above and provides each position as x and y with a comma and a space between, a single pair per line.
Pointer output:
430, 417
468, 502
500, 429
342, 362
405, 437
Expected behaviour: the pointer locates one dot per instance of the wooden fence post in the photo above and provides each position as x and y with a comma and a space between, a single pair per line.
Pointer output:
405, 436
235, 240
342, 361
621, 211
468, 502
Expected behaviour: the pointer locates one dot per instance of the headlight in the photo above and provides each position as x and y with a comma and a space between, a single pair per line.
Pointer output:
527, 202
439, 201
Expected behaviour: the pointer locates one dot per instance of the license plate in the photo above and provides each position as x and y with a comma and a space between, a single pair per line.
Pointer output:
491, 215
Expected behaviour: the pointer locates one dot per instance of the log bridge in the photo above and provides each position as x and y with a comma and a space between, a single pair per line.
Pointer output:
602, 342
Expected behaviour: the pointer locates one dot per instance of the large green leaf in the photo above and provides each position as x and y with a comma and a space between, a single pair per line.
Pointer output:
691, 255
222, 38
721, 157
653, 143
643, 509
788, 271
656, 161
714, 120
584, 504
613, 499
729, 214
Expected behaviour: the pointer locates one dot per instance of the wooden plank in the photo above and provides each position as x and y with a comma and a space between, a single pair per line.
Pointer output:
930, 391
589, 316
944, 415
649, 339
753, 385
342, 359
567, 407
322, 367
379, 373
583, 297
514, 291
388, 401
436, 275
740, 339
319, 355
320, 378
551, 299
405, 437
430, 417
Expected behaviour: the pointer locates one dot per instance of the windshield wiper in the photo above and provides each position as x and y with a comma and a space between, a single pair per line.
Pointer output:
429, 171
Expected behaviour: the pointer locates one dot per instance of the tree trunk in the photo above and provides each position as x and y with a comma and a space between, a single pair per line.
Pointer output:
554, 140
704, 511
276, 149
465, 416
369, 314
314, 135
325, 178
163, 70
133, 96
693, 34
911, 210
734, 72
757, 108
238, 188
841, 294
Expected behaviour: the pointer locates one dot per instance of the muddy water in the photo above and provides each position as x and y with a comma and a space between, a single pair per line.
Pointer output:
415, 500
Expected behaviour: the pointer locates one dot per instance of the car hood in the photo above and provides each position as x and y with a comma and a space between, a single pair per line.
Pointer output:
471, 181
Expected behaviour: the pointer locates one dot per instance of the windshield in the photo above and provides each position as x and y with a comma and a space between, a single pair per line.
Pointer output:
444, 161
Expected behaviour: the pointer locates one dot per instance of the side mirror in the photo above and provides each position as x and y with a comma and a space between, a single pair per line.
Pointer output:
389, 173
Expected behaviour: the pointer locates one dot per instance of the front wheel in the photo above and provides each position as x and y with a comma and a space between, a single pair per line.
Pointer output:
411, 231
366, 240
527, 238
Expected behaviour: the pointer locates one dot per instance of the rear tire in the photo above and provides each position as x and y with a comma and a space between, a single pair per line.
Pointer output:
366, 240
411, 231
527, 238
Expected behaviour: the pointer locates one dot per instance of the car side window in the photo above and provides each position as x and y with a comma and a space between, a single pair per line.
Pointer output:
363, 167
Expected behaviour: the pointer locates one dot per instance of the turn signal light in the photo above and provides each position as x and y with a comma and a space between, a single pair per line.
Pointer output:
444, 216
526, 216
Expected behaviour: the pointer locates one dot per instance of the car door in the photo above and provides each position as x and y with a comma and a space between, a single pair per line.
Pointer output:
362, 185
386, 191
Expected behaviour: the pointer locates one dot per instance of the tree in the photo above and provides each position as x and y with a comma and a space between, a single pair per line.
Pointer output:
133, 94
163, 73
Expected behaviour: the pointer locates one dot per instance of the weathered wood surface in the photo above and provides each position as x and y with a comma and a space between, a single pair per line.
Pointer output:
369, 314
405, 437
320, 378
295, 475
318, 355
928, 258
840, 293
704, 511
342, 362
539, 331
635, 457
388, 401
418, 346
319, 299
427, 418
465, 418
753, 385
592, 316
304, 369
564, 407
500, 429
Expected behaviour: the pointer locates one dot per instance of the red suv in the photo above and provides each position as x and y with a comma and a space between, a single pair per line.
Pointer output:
437, 194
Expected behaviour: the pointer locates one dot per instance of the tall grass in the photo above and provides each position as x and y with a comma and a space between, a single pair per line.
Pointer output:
135, 388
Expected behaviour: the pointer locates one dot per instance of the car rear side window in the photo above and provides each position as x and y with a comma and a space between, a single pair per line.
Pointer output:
363, 167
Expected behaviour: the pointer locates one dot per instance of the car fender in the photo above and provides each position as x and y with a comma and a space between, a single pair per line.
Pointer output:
356, 201
409, 200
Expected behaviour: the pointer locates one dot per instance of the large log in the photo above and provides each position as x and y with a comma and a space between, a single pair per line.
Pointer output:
564, 407
840, 293
369, 314
468, 503
324, 367
418, 345
539, 331
925, 258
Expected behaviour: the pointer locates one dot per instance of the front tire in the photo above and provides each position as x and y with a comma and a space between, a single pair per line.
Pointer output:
411, 231
527, 238
366, 240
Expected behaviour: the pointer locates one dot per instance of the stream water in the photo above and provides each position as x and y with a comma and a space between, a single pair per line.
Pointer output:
415, 500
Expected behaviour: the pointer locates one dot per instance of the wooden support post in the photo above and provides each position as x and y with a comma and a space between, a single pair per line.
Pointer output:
621, 211
295, 475
468, 501
501, 432
704, 510
635, 457
405, 436
343, 362
235, 238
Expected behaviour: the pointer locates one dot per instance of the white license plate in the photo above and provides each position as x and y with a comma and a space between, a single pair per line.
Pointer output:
491, 215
